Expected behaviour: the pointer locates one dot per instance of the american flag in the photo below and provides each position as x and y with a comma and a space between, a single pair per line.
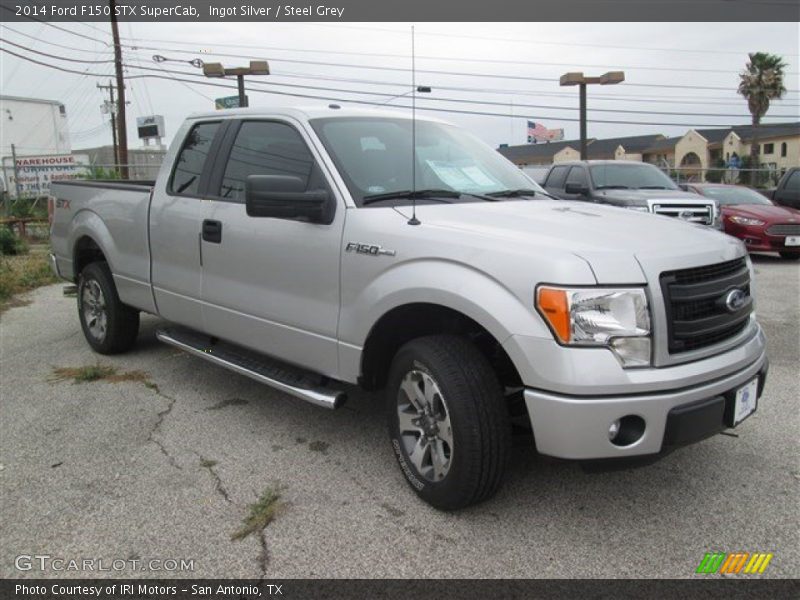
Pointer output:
535, 130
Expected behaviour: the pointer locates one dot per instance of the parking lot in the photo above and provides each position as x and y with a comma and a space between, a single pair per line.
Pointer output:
164, 464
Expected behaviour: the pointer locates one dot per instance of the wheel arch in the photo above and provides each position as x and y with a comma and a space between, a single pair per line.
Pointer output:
409, 321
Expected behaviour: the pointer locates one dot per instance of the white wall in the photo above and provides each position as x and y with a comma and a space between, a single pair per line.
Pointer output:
35, 128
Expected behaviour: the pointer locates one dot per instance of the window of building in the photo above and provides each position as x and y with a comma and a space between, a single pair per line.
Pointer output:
783, 150
769, 148
192, 158
265, 148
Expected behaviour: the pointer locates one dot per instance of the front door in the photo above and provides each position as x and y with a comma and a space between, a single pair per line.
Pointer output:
271, 284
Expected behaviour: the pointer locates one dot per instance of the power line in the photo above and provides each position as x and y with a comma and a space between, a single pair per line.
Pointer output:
452, 100
372, 103
77, 60
406, 70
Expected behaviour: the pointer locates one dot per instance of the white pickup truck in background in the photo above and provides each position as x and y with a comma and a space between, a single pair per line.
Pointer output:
314, 248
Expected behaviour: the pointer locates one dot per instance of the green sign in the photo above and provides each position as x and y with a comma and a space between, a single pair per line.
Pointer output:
227, 102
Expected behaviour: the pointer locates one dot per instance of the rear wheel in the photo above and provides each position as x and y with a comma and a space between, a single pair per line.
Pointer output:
448, 421
109, 326
790, 255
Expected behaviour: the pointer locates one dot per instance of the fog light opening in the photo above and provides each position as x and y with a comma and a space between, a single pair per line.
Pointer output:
626, 431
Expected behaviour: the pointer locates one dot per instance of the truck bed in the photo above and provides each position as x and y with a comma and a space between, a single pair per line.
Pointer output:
115, 214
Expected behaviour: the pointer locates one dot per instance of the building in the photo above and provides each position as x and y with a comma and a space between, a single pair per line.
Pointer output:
35, 127
621, 148
703, 149
692, 154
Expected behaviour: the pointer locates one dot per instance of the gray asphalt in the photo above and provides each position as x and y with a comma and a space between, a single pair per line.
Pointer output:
113, 471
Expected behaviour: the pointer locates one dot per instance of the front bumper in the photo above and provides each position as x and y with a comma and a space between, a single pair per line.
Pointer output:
576, 427
756, 238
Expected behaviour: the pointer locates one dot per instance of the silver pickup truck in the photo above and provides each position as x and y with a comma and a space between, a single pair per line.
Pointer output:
310, 249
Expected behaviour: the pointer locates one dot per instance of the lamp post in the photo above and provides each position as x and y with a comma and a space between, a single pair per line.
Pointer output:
257, 67
610, 78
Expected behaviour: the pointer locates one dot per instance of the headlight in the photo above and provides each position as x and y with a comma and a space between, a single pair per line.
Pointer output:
613, 318
745, 220
639, 208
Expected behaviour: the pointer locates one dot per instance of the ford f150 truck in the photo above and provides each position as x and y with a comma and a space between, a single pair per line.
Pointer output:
314, 248
633, 185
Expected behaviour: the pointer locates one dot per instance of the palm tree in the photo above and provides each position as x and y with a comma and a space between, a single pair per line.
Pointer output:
760, 82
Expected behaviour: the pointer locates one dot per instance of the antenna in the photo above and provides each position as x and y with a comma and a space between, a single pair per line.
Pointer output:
413, 220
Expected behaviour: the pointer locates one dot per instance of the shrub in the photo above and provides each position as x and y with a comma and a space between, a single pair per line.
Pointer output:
10, 244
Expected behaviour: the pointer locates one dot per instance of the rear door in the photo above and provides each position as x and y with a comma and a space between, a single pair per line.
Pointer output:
272, 284
176, 217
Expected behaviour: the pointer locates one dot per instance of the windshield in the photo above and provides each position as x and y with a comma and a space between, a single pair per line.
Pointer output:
373, 154
630, 176
728, 196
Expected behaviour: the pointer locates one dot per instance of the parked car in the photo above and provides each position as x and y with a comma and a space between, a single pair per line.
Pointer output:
751, 217
787, 193
313, 248
627, 184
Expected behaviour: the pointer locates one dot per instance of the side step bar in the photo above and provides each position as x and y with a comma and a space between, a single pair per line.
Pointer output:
285, 378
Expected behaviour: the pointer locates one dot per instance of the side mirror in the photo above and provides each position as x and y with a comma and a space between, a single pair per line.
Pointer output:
285, 197
576, 188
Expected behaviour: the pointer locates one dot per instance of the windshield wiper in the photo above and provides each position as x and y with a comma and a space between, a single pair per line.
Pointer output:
518, 193
432, 194
612, 187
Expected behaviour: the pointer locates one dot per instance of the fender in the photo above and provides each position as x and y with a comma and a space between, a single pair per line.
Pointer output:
450, 284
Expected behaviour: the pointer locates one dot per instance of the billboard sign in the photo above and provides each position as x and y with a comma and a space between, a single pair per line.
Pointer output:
36, 173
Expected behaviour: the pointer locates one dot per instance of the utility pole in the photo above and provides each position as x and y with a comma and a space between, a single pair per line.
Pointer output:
113, 112
122, 130
16, 179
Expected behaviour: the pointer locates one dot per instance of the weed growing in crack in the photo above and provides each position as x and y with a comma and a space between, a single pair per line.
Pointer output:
261, 513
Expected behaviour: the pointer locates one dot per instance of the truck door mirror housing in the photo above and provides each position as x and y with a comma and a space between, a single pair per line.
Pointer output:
286, 197
576, 188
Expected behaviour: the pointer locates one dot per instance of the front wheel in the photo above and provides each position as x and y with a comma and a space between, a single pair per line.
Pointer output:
448, 421
109, 326
790, 255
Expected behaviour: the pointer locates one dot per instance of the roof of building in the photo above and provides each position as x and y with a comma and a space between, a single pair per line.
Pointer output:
632, 144
661, 145
541, 150
36, 100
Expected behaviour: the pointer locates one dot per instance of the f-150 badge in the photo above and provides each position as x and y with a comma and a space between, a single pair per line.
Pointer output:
370, 249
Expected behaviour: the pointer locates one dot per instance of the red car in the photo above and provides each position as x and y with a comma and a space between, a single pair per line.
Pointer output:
751, 217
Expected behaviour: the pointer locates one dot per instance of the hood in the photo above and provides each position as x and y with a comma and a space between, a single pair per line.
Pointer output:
640, 197
612, 240
766, 212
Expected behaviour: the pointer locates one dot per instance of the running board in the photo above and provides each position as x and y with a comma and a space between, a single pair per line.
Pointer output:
285, 378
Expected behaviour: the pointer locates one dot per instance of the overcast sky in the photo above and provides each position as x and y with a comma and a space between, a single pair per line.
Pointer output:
666, 55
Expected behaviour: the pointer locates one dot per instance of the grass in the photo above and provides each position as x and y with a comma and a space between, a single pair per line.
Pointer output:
261, 513
22, 273
98, 372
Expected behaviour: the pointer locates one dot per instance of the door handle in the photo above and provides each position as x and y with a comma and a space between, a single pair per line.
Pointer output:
212, 231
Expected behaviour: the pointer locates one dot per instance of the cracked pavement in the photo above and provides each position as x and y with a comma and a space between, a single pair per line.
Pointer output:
120, 470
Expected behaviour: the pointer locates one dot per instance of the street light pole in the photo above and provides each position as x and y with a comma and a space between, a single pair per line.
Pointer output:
610, 78
257, 67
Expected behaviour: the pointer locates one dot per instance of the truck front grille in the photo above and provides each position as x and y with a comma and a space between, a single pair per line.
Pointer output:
702, 309
784, 229
692, 212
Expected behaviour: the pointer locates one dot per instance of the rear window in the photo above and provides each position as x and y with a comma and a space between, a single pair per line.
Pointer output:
557, 177
192, 158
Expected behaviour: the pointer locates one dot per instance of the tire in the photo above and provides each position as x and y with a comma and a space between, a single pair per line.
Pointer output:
790, 255
450, 467
109, 326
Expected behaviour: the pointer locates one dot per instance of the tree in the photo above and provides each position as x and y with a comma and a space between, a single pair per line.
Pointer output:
759, 83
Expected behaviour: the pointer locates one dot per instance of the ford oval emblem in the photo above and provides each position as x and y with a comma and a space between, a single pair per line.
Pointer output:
735, 300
